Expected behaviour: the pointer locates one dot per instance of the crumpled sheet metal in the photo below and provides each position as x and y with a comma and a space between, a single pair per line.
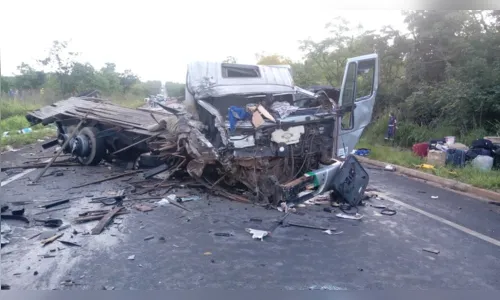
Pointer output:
219, 120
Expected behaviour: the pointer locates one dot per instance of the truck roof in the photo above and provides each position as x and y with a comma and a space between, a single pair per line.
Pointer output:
215, 79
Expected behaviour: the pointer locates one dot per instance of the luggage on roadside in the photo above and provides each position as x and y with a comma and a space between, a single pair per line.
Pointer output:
455, 157
483, 162
436, 158
433, 144
482, 144
421, 149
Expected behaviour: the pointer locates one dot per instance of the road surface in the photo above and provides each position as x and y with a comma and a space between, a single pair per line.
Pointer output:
378, 252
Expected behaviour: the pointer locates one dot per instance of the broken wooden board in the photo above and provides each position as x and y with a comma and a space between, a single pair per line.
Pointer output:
132, 120
51, 239
105, 220
95, 217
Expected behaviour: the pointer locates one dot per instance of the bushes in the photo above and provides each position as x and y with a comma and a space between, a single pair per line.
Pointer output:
9, 108
409, 134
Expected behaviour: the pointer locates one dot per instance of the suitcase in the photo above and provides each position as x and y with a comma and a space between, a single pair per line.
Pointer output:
421, 149
455, 157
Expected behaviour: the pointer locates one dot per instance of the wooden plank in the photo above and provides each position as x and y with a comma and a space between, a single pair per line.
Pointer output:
51, 239
105, 220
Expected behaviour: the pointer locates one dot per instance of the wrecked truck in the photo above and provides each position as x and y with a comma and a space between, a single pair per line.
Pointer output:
239, 126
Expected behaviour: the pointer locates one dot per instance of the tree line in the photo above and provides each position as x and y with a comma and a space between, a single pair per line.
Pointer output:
60, 74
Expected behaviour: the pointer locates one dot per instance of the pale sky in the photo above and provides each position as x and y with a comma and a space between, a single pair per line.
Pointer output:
157, 39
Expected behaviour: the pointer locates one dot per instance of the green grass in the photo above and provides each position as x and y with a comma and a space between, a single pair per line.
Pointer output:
12, 108
17, 140
402, 157
16, 123
129, 101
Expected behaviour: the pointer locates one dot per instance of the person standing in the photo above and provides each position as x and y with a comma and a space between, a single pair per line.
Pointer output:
391, 128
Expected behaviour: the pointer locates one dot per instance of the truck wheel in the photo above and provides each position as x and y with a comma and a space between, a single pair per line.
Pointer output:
97, 147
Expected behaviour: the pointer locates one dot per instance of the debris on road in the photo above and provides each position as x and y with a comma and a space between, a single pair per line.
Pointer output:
55, 203
257, 234
3, 240
51, 210
430, 250
106, 220
131, 257
187, 199
107, 179
434, 197
14, 217
17, 211
51, 239
143, 207
71, 244
34, 236
63, 227
95, 215
163, 202
52, 223
307, 226
150, 237
225, 234
388, 212
356, 216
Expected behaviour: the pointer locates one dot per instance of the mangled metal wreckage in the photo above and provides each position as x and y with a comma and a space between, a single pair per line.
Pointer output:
242, 124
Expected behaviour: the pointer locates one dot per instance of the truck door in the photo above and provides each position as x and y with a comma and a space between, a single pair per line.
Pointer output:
357, 98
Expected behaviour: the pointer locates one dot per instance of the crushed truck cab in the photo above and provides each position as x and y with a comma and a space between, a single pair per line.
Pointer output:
270, 131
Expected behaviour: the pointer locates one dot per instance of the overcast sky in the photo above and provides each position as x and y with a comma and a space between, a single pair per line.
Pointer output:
156, 39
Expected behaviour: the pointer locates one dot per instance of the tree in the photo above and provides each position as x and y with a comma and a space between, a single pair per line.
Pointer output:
61, 61
127, 80
175, 89
29, 78
273, 59
229, 60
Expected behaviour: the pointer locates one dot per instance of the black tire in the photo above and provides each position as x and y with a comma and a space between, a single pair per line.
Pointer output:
97, 147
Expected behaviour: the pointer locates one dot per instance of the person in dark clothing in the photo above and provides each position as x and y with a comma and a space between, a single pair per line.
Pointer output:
391, 128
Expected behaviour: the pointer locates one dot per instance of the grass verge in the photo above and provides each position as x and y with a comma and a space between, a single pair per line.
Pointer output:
402, 157
11, 108
17, 140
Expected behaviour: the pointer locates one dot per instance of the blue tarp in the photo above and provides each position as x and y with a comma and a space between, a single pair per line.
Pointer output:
235, 114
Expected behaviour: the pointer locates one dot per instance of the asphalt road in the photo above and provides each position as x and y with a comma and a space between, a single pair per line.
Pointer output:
378, 252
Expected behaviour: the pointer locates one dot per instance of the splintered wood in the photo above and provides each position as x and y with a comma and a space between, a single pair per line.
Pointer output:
105, 220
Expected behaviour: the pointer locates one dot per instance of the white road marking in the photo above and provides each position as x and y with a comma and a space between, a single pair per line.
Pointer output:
17, 176
444, 221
